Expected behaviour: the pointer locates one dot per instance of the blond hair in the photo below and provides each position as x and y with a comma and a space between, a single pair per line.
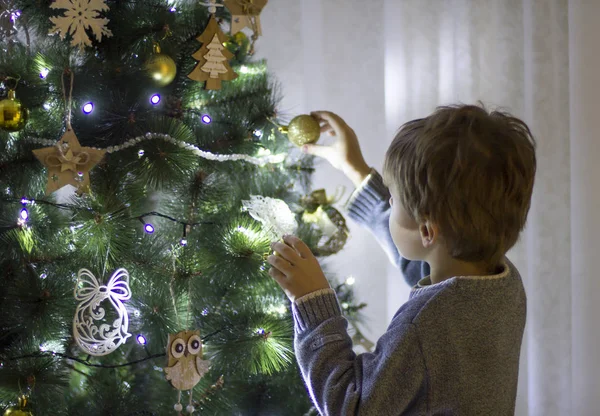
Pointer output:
469, 171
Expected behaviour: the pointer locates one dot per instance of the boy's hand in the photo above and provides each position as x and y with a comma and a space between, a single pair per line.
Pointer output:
345, 153
296, 269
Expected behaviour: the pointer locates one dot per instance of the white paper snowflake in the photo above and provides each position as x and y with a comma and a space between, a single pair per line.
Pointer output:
274, 214
80, 16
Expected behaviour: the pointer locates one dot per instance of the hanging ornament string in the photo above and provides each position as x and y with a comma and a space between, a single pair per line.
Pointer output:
212, 6
30, 386
251, 10
68, 101
16, 80
261, 161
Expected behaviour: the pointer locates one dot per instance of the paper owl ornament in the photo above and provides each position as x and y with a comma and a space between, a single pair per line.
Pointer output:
186, 366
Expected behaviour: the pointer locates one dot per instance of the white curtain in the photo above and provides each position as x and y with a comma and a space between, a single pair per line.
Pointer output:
379, 63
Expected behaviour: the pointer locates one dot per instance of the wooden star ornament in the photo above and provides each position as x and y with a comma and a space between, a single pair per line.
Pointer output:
245, 13
68, 163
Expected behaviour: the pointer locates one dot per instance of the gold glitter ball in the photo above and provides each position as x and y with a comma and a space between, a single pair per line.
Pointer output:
160, 68
13, 115
303, 129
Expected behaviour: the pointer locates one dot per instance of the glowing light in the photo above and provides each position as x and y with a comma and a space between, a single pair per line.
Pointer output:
155, 99
43, 276
277, 309
141, 152
350, 281
24, 214
183, 242
247, 232
52, 346
172, 9
345, 305
25, 201
15, 15
141, 339
263, 152
47, 106
149, 228
258, 133
206, 119
44, 73
244, 69
260, 331
88, 108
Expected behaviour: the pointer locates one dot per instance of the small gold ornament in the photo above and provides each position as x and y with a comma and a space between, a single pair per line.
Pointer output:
238, 43
13, 115
331, 223
303, 129
20, 409
160, 67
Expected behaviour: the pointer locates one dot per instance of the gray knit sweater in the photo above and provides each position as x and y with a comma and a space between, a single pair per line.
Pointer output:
451, 349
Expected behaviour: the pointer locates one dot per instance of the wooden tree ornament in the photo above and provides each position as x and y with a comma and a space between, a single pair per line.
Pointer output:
213, 58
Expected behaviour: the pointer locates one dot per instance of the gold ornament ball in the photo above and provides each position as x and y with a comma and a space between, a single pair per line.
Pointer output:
238, 42
13, 115
303, 129
17, 411
161, 69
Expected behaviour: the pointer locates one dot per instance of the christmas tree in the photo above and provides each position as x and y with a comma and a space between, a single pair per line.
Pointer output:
136, 211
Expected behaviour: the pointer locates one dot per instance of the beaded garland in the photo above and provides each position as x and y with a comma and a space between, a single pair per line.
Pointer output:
260, 161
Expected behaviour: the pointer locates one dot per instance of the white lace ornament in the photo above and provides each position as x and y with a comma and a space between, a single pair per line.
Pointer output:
274, 214
103, 339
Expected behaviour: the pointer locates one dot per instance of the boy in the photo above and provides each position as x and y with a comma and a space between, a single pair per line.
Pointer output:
459, 185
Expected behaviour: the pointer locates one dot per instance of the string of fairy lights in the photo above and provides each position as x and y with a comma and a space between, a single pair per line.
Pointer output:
24, 216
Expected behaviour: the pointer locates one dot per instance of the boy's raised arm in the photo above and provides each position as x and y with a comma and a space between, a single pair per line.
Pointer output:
369, 204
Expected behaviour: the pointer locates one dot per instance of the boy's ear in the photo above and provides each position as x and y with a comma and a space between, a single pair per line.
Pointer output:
429, 233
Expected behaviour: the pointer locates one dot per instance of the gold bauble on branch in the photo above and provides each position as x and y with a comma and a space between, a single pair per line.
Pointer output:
238, 43
20, 409
303, 129
160, 67
13, 115
16, 411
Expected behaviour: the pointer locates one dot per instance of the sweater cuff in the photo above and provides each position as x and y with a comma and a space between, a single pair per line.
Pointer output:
369, 194
313, 309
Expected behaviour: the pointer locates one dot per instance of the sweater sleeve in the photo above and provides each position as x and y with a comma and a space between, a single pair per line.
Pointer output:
342, 383
369, 205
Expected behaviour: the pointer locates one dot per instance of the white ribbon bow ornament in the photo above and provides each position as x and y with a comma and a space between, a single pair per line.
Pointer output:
106, 338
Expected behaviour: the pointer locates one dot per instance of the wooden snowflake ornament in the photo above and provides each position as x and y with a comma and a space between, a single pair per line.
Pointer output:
213, 66
80, 16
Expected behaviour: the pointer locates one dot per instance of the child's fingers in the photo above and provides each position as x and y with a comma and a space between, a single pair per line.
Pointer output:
285, 251
299, 245
327, 128
277, 275
282, 265
317, 150
333, 119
